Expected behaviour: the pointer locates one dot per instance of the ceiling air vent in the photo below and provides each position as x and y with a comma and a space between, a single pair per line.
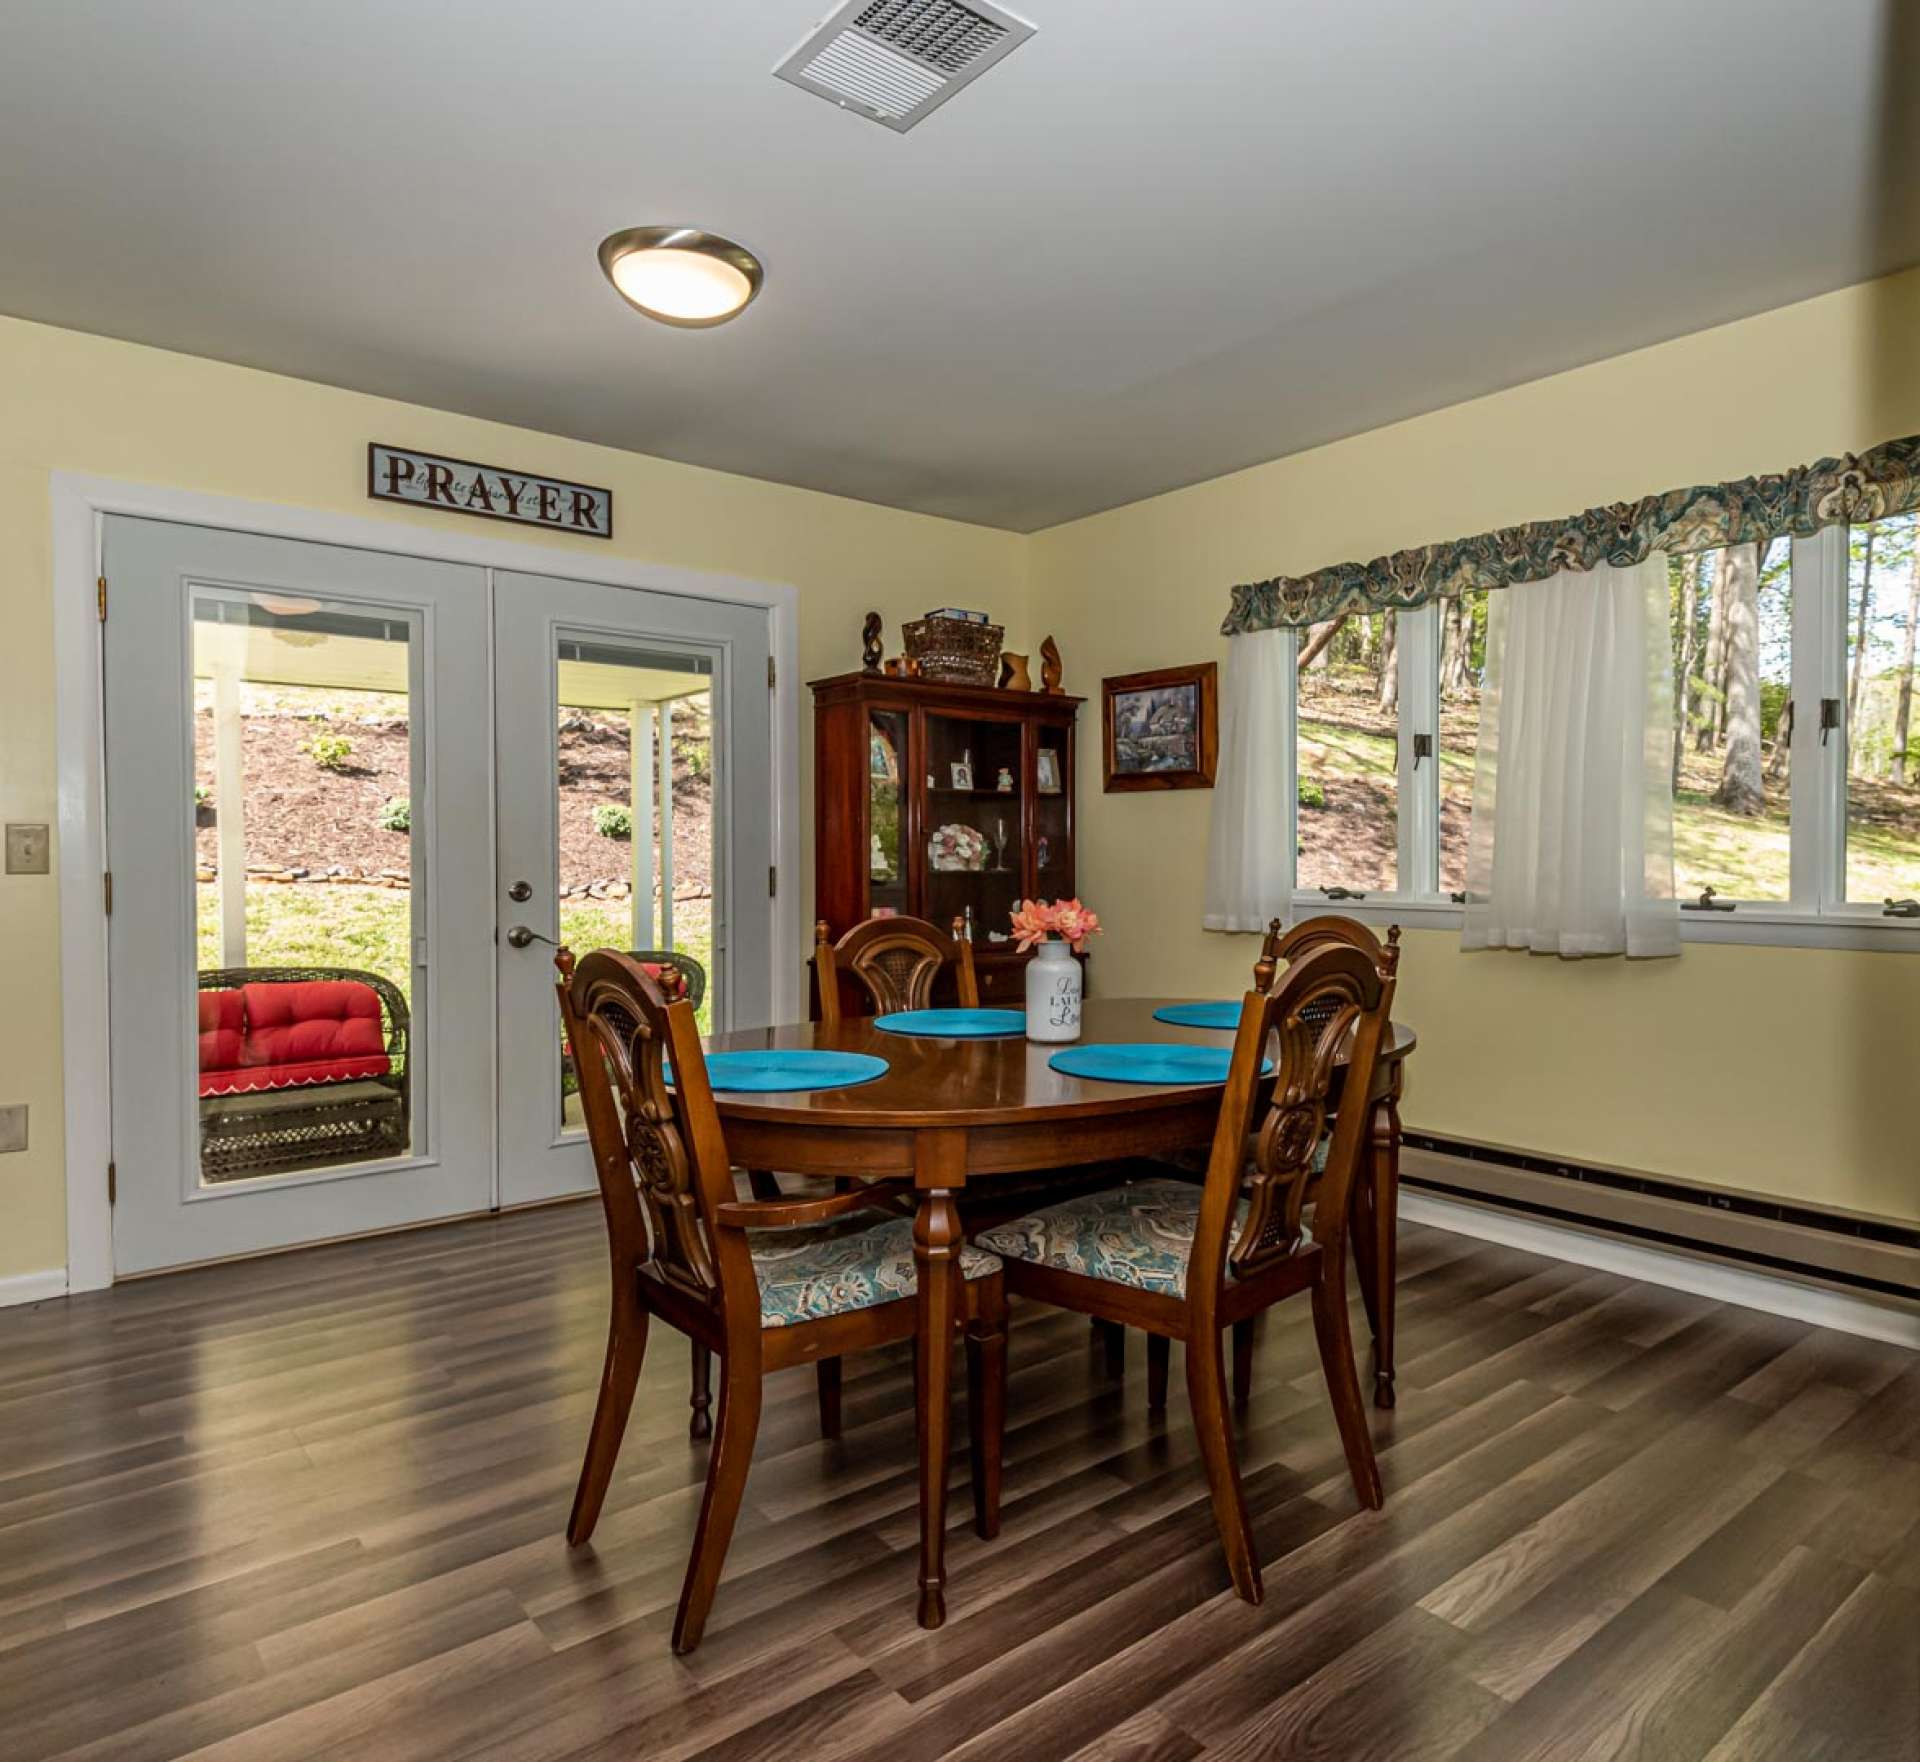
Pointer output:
895, 60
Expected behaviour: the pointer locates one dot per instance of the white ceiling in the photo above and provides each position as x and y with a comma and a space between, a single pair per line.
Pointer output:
1155, 244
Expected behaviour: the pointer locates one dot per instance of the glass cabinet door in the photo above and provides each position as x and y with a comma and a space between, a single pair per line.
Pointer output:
887, 851
1053, 813
975, 851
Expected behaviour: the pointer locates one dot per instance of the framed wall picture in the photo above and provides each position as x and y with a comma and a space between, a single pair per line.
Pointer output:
1160, 730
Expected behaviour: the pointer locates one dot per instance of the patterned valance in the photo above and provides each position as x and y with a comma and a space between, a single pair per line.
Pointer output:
1865, 486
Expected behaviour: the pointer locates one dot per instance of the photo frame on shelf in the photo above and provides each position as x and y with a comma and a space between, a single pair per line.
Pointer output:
1160, 729
1047, 779
961, 773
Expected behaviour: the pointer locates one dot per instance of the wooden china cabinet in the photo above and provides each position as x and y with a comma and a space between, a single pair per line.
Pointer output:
885, 791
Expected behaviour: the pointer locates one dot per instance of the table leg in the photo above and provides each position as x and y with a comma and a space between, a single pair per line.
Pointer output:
1386, 1241
936, 1241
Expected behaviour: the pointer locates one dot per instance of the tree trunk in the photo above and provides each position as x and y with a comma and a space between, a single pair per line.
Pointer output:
1318, 639
1742, 785
1860, 627
1903, 707
1390, 665
1713, 669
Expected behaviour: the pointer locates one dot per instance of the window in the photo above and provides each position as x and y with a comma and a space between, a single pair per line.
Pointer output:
1882, 611
1463, 671
1795, 747
1732, 687
1347, 753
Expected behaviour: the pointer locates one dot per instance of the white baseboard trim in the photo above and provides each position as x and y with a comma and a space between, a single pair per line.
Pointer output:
1850, 1312
33, 1287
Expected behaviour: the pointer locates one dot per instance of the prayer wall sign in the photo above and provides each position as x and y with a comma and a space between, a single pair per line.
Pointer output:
431, 480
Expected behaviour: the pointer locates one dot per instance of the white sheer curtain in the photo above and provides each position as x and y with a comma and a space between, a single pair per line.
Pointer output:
1249, 865
1570, 851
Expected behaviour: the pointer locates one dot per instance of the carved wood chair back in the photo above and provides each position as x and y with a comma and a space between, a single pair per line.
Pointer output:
895, 962
1333, 997
659, 1154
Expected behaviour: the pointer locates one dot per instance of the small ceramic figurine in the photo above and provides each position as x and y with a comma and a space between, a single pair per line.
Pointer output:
1050, 667
1004, 782
870, 647
1013, 673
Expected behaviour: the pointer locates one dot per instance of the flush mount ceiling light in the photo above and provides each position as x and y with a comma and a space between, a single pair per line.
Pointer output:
681, 275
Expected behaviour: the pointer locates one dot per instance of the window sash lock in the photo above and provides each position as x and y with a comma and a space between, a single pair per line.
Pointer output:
1342, 893
1706, 903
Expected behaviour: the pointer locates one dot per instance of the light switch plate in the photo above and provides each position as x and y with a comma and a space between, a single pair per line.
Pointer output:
26, 848
13, 1127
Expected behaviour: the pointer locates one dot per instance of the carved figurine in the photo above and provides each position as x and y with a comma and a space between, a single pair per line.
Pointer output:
1050, 667
870, 649
1013, 673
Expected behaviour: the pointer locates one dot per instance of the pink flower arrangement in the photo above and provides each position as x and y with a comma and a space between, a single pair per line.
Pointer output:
1034, 920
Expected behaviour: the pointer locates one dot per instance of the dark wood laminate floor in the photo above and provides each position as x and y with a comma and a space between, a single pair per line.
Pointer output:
311, 1508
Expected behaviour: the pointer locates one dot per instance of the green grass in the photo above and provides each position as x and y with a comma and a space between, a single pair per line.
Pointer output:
296, 924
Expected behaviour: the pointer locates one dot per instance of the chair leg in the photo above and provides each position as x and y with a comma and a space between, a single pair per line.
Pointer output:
1113, 1343
1243, 1362
1385, 1244
1207, 1392
726, 1481
761, 1183
701, 1425
1159, 1351
1343, 1385
987, 1403
827, 1378
626, 1347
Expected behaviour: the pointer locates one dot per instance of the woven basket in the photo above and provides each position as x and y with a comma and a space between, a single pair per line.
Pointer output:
954, 651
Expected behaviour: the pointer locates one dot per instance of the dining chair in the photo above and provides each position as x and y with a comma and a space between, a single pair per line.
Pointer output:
895, 961
1184, 1262
1376, 1189
759, 1282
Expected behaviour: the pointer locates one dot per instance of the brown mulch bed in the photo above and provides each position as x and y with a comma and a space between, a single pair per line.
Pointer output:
300, 817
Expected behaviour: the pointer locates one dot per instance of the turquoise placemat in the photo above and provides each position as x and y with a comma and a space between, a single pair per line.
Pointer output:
795, 1067
1200, 1015
954, 1024
1148, 1061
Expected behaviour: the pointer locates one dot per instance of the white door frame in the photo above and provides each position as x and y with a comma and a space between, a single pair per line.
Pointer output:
79, 504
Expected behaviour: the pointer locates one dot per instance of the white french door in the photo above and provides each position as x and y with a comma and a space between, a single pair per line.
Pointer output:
336, 779
659, 705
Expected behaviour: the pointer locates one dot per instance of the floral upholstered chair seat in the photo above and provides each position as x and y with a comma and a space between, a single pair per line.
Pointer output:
1139, 1235
807, 1273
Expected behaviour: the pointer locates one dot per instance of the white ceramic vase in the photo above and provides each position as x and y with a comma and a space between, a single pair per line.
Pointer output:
1053, 993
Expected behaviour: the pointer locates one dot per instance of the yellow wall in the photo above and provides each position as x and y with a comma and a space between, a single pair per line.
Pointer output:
1780, 1070
87, 404
1786, 1071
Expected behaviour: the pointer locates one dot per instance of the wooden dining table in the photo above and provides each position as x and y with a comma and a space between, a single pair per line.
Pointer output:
950, 1114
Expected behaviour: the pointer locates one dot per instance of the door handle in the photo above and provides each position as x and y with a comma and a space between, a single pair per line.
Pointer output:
520, 937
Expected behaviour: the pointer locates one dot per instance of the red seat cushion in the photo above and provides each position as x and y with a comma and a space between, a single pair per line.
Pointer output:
293, 1034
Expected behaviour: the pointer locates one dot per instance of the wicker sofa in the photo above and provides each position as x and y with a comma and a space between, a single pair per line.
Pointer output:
300, 1067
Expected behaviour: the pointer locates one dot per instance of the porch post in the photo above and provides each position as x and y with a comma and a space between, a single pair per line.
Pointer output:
666, 822
230, 811
640, 806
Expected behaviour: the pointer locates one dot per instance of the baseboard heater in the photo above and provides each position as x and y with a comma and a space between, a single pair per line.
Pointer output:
1862, 1253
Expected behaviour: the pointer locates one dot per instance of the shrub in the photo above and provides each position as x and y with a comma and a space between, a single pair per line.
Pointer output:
397, 815
202, 795
611, 821
1312, 795
330, 751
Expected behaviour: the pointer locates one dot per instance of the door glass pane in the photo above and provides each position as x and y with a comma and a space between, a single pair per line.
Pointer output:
304, 803
1348, 727
1883, 744
974, 836
1731, 627
635, 833
886, 826
1463, 670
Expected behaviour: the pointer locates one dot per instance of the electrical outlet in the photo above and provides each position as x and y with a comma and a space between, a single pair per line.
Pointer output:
26, 848
13, 1127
